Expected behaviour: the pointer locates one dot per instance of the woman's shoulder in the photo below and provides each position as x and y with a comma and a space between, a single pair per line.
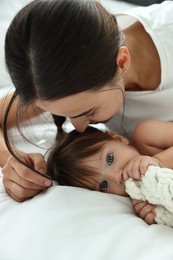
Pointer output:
155, 15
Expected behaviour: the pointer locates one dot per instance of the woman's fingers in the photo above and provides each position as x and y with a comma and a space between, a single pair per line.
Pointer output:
23, 175
37, 161
20, 189
21, 182
18, 193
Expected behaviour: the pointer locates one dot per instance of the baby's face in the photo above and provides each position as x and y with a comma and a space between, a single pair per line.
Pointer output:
110, 162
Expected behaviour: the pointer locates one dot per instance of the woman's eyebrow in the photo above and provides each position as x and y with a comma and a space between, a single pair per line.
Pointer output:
83, 113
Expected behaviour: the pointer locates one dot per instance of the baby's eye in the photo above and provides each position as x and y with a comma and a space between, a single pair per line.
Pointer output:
103, 185
109, 158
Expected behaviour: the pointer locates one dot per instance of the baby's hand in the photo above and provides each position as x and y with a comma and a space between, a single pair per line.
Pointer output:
138, 166
144, 210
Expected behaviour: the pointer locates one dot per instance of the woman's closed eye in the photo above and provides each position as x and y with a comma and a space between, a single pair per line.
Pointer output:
92, 113
109, 159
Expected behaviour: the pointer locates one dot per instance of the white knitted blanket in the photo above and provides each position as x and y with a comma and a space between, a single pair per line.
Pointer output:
156, 186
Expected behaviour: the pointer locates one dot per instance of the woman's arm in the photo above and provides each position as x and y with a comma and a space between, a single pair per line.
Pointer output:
32, 111
20, 182
4, 153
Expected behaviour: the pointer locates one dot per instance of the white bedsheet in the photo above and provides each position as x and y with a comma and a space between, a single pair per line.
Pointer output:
71, 224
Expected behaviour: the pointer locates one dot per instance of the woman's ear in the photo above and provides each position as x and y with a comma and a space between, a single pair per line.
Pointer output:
123, 58
119, 138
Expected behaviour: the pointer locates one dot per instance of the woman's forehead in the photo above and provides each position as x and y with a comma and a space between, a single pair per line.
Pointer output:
70, 105
74, 105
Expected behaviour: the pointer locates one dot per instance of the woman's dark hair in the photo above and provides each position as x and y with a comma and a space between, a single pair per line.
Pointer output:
56, 48
65, 162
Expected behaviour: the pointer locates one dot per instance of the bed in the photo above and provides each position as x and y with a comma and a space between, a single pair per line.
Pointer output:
69, 223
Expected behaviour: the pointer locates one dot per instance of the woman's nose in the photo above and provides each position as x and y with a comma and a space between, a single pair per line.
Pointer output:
80, 124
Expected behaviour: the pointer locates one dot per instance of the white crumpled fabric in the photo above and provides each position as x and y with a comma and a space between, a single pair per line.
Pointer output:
156, 186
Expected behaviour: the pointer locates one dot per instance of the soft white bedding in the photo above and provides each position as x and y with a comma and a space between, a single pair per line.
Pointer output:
69, 223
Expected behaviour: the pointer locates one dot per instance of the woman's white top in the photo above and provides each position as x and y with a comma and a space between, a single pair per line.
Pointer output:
157, 20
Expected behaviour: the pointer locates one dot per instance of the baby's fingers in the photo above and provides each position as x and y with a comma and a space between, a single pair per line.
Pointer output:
132, 170
143, 166
144, 210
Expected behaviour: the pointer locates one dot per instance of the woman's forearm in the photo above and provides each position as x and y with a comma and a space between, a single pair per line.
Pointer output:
28, 113
4, 153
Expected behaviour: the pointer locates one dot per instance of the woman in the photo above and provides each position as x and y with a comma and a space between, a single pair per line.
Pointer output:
71, 59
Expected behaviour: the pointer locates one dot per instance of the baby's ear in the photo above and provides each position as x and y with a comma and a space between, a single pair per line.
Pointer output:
118, 137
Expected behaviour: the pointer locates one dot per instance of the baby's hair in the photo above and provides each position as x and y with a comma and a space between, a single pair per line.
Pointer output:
65, 161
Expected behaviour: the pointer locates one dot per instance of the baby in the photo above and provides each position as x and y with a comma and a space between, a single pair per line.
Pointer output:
97, 160
105, 161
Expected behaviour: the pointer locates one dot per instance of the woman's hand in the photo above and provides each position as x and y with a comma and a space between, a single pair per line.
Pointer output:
144, 210
20, 182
